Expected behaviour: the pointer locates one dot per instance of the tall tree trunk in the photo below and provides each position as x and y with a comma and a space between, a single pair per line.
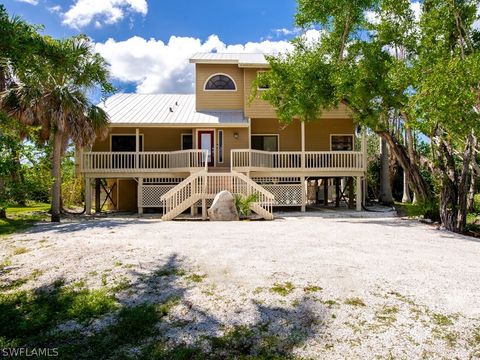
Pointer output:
3, 211
453, 196
411, 167
385, 197
57, 175
406, 181
472, 191
409, 142
474, 174
463, 185
406, 191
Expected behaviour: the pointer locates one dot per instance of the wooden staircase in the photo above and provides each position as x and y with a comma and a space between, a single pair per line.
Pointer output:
206, 185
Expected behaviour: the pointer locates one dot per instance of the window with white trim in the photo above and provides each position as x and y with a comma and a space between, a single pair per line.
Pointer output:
187, 142
342, 142
262, 85
265, 142
125, 143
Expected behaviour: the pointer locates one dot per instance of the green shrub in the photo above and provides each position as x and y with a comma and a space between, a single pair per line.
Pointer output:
243, 204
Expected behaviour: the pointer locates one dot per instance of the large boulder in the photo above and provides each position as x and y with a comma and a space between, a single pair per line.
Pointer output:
223, 208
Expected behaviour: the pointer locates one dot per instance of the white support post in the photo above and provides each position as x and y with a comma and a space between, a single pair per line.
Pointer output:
204, 209
359, 193
140, 195
303, 143
304, 194
88, 196
364, 149
137, 147
249, 143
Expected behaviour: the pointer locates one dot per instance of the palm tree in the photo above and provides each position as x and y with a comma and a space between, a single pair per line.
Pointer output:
54, 98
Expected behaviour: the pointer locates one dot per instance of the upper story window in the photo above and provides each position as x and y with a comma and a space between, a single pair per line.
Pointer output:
262, 83
220, 82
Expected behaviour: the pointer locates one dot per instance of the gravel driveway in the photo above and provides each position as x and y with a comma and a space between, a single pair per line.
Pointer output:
333, 285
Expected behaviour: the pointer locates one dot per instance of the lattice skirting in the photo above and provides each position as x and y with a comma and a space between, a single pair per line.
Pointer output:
151, 195
286, 194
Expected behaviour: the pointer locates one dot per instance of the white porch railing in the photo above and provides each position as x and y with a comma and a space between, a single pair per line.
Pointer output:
256, 160
144, 162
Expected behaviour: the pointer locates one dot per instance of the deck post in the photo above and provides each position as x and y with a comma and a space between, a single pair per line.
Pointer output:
337, 192
364, 149
88, 196
351, 192
304, 194
137, 147
204, 209
359, 193
303, 144
325, 191
97, 196
140, 195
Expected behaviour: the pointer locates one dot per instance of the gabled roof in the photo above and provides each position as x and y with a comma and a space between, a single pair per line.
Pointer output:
165, 109
240, 59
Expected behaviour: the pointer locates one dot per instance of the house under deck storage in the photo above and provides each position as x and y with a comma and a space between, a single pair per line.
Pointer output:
175, 152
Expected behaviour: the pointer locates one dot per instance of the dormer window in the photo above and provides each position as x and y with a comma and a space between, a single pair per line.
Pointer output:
220, 82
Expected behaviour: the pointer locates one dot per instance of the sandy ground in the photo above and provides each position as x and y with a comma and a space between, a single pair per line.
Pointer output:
420, 285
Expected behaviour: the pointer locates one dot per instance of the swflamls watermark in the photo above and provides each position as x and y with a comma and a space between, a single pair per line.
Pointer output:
28, 352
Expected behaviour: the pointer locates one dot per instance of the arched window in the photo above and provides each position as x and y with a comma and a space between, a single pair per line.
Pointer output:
220, 82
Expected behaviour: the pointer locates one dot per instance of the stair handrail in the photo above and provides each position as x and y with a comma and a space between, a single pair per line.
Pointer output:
254, 185
181, 185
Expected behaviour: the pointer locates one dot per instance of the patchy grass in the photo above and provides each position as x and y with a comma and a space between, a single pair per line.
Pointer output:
282, 289
330, 303
195, 278
312, 289
441, 320
19, 250
132, 327
5, 263
12, 285
122, 285
354, 301
27, 317
20, 218
387, 315
172, 271
442, 329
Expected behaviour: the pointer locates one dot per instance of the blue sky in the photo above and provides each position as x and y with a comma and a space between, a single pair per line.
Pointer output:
148, 42
234, 21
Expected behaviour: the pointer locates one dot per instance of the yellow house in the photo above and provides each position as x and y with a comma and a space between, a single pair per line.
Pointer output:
176, 152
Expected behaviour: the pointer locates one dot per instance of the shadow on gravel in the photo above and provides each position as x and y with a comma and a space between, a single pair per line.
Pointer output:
80, 225
151, 318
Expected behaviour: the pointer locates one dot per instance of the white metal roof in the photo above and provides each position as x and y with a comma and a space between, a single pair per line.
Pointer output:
240, 59
165, 109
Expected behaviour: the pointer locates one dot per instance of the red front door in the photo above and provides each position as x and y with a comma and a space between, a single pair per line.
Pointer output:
206, 142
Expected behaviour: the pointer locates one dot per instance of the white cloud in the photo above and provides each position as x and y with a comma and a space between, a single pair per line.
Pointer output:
476, 24
286, 32
84, 12
31, 2
417, 9
56, 9
158, 67
373, 17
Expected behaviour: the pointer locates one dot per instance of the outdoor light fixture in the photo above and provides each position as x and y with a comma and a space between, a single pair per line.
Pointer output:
235, 135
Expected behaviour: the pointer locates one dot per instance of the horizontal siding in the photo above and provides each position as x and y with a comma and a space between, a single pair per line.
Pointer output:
230, 143
289, 135
154, 139
317, 133
257, 108
218, 100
